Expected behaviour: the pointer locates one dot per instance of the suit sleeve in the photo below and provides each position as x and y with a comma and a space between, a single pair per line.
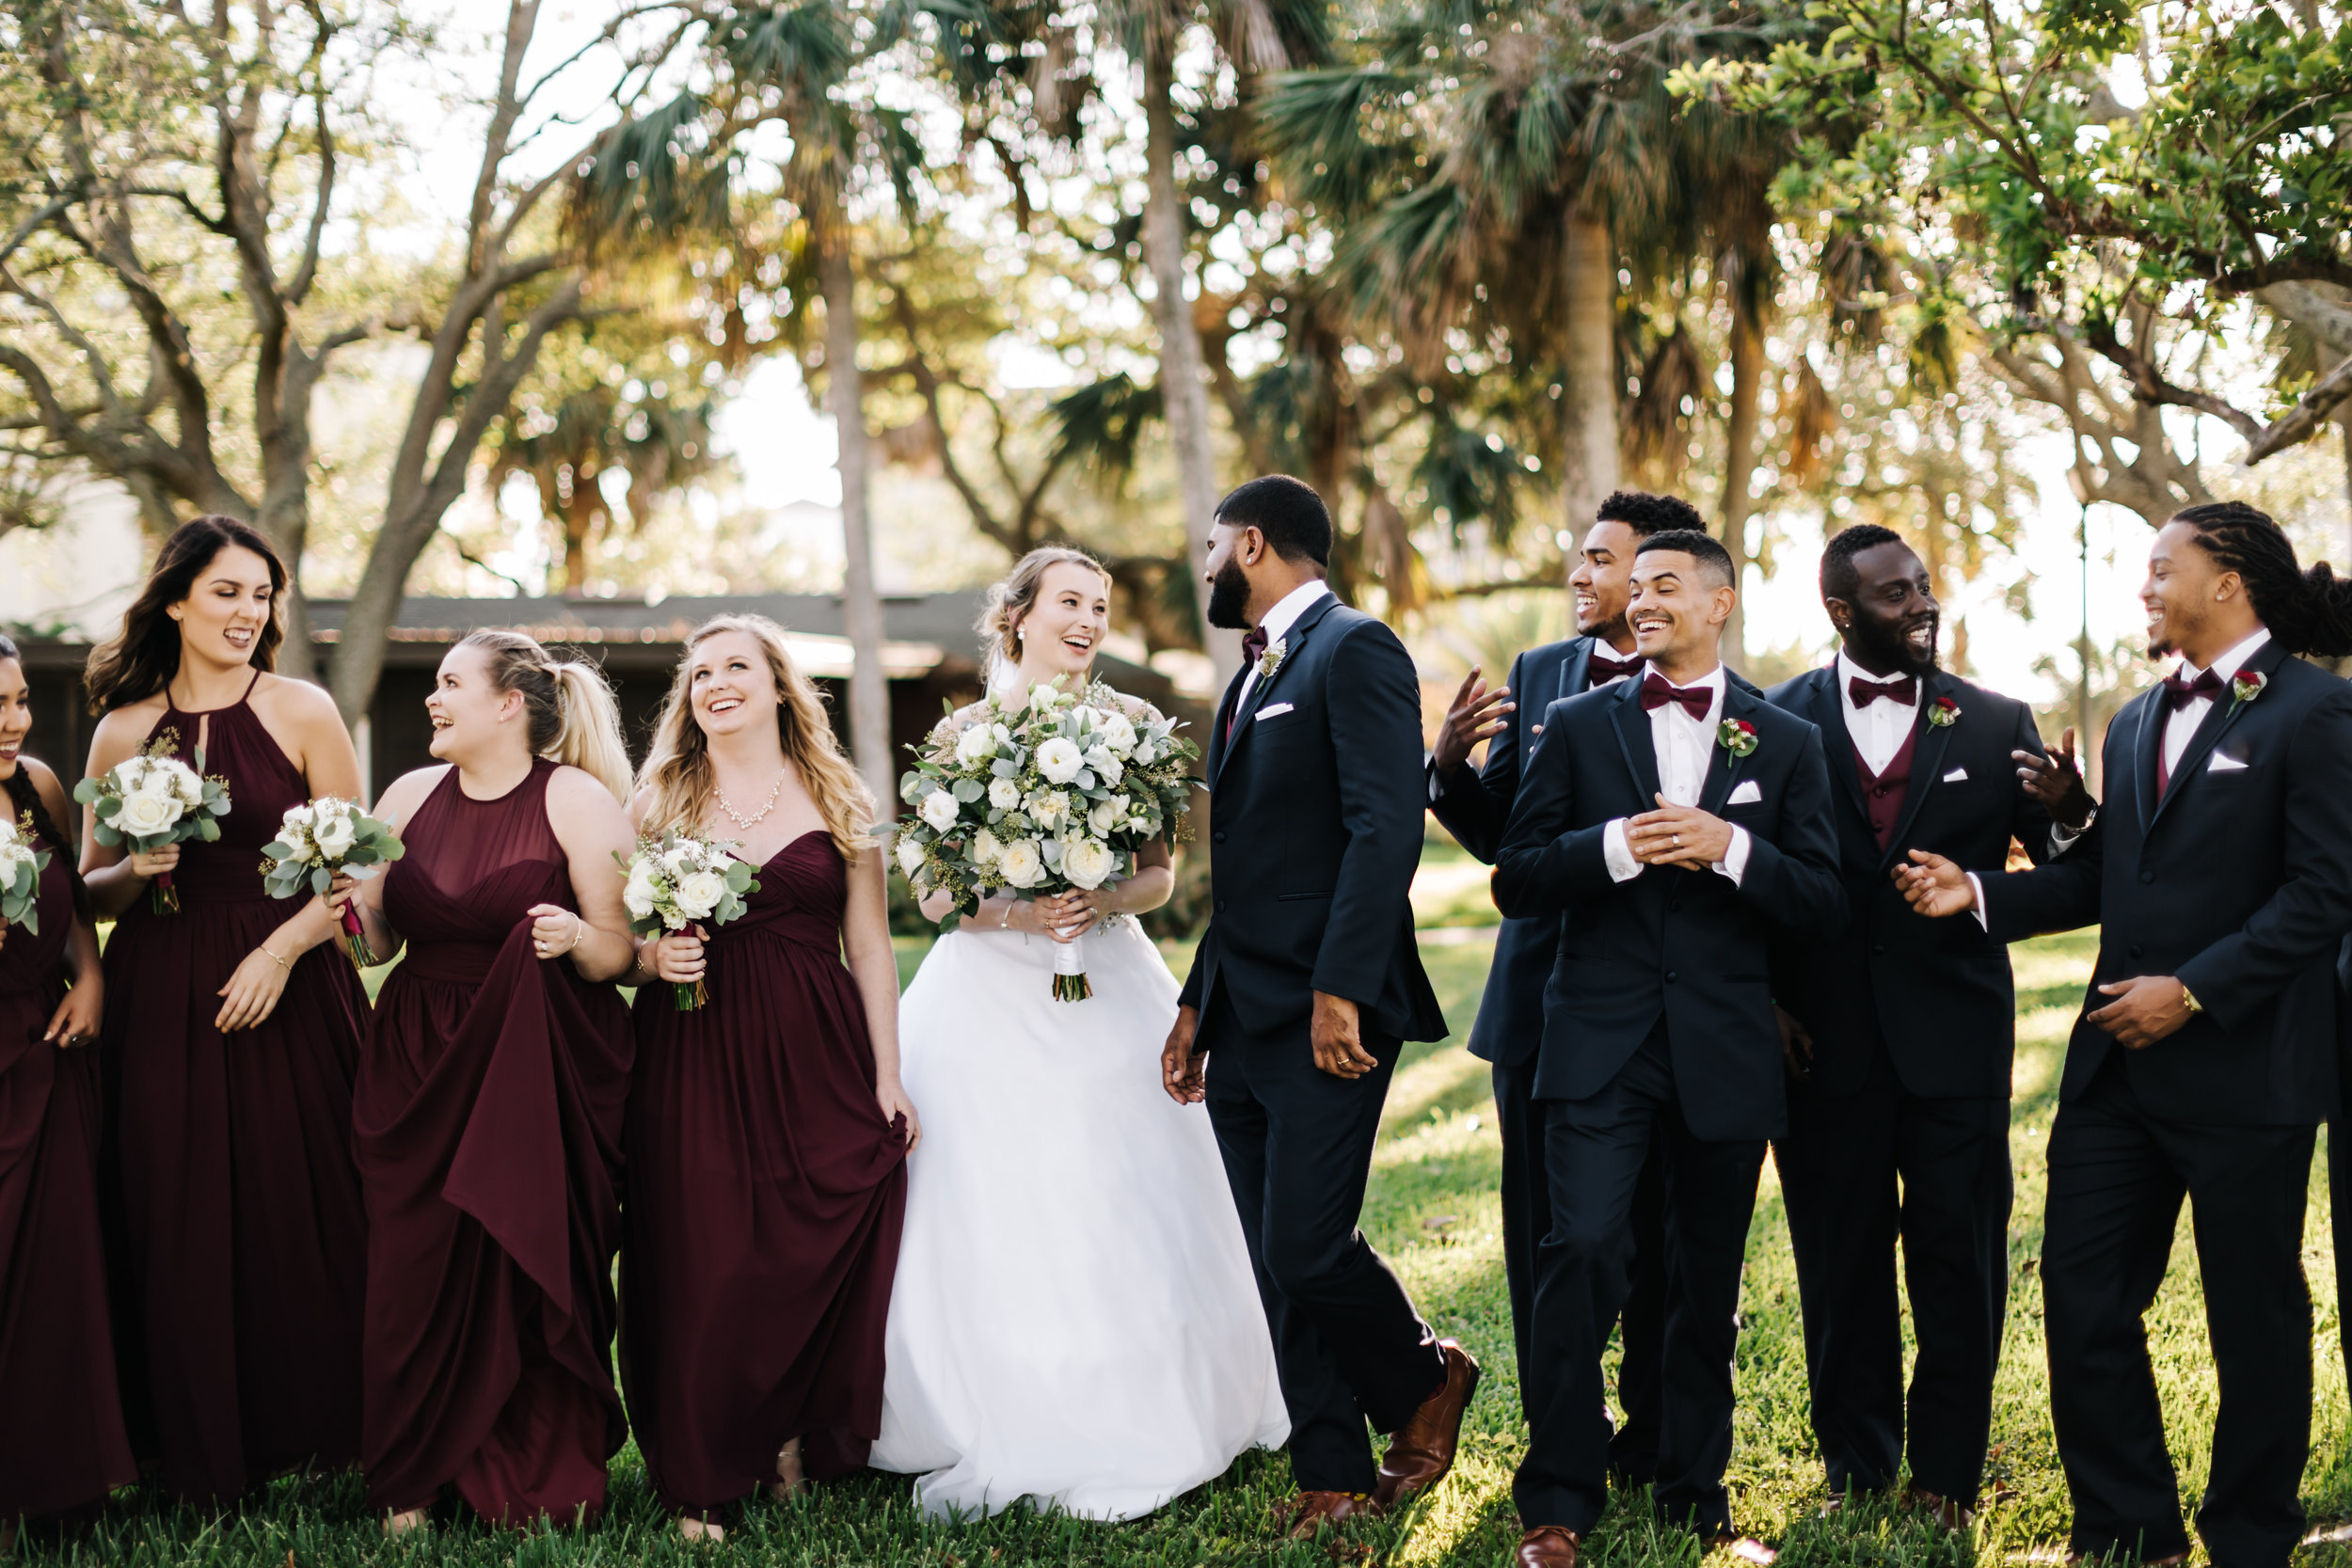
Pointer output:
1475, 806
2029, 822
1545, 862
1793, 877
1195, 978
2306, 918
1373, 698
2062, 894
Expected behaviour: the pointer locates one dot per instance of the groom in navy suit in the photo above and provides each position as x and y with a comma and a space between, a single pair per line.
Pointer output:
1673, 823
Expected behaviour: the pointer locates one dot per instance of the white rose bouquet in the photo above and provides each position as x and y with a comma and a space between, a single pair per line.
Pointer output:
1039, 794
674, 880
21, 866
153, 800
316, 840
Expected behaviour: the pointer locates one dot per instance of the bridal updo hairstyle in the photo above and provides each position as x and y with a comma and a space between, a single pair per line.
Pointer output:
2308, 611
1010, 600
140, 659
568, 710
677, 769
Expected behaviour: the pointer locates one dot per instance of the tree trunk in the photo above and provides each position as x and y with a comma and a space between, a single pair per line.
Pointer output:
861, 605
1747, 375
1184, 399
1588, 370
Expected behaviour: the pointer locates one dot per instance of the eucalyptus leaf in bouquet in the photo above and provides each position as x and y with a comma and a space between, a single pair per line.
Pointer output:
319, 838
152, 800
677, 881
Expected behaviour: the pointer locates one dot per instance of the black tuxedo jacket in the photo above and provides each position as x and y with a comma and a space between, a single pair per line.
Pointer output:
1315, 830
1687, 946
2239, 881
1938, 991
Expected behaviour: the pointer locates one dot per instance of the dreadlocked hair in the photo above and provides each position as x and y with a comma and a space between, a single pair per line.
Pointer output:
24, 801
2308, 611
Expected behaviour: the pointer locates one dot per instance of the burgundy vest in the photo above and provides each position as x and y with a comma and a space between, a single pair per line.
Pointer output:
1882, 793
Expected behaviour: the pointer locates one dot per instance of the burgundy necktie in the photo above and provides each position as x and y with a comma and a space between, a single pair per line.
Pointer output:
1254, 646
1656, 691
1603, 668
1863, 693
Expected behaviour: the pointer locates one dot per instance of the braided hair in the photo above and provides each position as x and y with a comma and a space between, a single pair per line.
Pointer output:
2307, 611
24, 801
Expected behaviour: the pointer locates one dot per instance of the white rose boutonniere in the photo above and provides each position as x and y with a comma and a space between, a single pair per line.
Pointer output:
1271, 660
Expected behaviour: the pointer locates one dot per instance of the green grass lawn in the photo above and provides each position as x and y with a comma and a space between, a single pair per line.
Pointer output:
1434, 1211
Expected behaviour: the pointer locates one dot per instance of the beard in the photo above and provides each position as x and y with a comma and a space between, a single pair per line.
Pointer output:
1887, 647
1615, 631
1228, 597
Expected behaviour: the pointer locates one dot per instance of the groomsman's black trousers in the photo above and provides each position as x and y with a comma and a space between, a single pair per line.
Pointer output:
2116, 1178
1527, 1219
1348, 1345
1858, 1171
1593, 1153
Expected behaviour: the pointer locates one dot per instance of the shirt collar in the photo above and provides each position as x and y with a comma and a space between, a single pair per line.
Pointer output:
1849, 672
1289, 608
2231, 661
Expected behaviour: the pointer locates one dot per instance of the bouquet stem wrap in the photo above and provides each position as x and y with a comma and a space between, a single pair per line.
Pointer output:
162, 896
690, 998
355, 939
1070, 972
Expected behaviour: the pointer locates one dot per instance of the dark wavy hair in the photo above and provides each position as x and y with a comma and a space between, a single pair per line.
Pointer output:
140, 659
1645, 513
24, 801
2308, 611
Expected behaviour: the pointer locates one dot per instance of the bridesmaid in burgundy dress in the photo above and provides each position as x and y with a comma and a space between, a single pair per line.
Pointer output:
488, 1113
61, 1443
767, 1130
229, 1049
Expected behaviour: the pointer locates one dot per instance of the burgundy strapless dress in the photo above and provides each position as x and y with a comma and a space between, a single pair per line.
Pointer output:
62, 1442
489, 1125
232, 1197
765, 1197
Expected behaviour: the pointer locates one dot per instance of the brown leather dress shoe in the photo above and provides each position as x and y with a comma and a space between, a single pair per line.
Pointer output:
1423, 1449
1306, 1512
1549, 1548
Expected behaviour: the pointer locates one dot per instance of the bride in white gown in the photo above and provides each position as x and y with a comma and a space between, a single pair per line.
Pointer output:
1074, 1320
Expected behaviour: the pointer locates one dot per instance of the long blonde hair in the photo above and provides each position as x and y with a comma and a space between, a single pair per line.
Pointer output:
1010, 600
677, 769
568, 708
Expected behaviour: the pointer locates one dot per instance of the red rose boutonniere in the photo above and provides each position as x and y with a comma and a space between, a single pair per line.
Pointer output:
1943, 713
1736, 735
2245, 686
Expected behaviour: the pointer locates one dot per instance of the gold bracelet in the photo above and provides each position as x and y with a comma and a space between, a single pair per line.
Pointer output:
276, 960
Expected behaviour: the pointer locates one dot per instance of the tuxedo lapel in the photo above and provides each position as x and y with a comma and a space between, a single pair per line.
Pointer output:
1829, 716
1217, 726
1723, 768
2219, 718
1927, 757
1572, 672
1293, 642
2147, 742
1633, 739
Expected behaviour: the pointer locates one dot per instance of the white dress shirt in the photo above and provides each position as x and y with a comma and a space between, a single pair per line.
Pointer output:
1276, 625
1684, 748
1880, 729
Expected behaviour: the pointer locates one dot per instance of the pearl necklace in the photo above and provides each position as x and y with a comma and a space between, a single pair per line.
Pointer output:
757, 818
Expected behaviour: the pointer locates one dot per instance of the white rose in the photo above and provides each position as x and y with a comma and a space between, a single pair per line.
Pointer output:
334, 836
1042, 698
1101, 818
1144, 753
1086, 862
909, 856
700, 893
1104, 765
985, 848
1049, 808
1022, 863
678, 858
974, 744
187, 785
939, 810
1119, 734
1059, 759
637, 896
1004, 795
302, 813
1087, 718
146, 812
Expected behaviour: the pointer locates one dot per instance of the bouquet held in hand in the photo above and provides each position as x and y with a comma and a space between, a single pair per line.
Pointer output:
21, 866
675, 882
153, 800
1041, 793
319, 839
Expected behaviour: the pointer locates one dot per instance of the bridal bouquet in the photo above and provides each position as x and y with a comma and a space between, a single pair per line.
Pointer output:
21, 866
1040, 793
675, 881
316, 840
152, 800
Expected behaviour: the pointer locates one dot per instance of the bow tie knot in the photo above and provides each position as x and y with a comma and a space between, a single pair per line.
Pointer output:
1601, 667
1903, 689
1656, 691
2179, 694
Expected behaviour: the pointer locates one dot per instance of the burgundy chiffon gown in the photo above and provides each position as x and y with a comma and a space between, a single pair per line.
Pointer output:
765, 1199
488, 1125
234, 1200
62, 1443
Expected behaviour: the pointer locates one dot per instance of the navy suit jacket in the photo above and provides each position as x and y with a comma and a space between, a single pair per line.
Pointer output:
1689, 947
1938, 992
2239, 881
1316, 806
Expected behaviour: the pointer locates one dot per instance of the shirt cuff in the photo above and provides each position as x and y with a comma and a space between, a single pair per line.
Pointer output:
1429, 766
1617, 853
2063, 838
1975, 884
1735, 861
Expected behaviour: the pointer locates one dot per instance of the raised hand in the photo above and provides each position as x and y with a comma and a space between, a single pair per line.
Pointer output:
1678, 836
1476, 714
2055, 783
1934, 886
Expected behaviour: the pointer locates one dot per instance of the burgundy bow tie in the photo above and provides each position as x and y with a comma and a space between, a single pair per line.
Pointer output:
1863, 693
2179, 694
1254, 645
1602, 668
1656, 691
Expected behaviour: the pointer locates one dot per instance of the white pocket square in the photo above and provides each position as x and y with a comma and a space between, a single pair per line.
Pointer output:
1276, 711
2224, 763
1956, 775
1745, 794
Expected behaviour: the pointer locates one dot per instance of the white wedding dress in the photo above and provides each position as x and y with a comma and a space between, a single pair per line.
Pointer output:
1075, 1321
